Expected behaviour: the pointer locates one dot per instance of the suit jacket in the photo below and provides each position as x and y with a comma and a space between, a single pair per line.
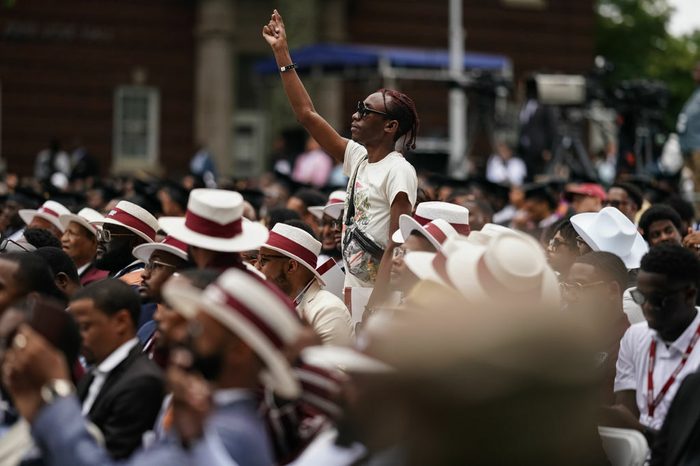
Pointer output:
92, 274
678, 441
128, 403
327, 315
234, 436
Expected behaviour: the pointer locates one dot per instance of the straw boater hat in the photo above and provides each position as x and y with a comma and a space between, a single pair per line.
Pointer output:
457, 216
436, 231
132, 217
344, 358
296, 244
611, 231
170, 245
214, 221
50, 211
256, 312
321, 387
83, 218
333, 208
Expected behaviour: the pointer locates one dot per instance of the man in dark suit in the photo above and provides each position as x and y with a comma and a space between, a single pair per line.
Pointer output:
678, 441
537, 131
123, 392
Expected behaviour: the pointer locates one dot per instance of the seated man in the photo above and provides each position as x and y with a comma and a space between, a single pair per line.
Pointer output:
593, 289
65, 274
563, 249
656, 355
125, 227
660, 224
627, 198
288, 259
330, 218
47, 217
123, 392
80, 243
585, 197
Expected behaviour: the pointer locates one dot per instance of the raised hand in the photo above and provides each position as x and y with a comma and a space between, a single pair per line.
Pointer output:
274, 32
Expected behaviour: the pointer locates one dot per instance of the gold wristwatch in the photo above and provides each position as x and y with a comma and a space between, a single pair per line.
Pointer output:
56, 388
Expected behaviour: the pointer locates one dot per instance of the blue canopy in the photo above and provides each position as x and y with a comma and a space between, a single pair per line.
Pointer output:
337, 56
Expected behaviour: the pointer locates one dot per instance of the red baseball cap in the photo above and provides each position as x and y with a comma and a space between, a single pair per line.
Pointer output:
586, 189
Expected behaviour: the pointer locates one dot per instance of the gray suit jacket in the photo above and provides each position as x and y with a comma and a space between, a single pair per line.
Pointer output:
235, 436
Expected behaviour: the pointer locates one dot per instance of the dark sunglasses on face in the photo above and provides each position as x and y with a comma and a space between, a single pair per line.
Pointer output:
363, 110
616, 204
336, 224
656, 301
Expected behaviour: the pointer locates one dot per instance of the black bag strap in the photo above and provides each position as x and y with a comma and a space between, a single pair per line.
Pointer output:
350, 214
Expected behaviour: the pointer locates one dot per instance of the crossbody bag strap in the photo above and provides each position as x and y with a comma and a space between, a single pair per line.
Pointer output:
350, 214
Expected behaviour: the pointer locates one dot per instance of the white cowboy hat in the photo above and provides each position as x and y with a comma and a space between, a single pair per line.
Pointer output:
611, 231
83, 218
333, 208
214, 221
170, 245
455, 215
436, 231
256, 312
296, 244
50, 211
134, 218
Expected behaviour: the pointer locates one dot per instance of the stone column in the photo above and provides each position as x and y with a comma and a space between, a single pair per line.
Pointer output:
214, 79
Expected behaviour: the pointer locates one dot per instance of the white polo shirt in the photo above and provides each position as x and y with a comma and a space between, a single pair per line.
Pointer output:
633, 364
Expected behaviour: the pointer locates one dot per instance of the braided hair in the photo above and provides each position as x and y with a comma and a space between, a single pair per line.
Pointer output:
402, 109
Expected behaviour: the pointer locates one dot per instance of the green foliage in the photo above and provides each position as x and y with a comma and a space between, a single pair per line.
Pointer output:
633, 34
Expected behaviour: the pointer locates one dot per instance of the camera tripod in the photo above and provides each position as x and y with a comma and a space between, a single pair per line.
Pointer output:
570, 155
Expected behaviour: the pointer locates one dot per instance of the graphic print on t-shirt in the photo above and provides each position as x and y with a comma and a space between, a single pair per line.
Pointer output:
362, 205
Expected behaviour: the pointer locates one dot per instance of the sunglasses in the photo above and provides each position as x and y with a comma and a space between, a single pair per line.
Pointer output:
363, 110
106, 236
656, 301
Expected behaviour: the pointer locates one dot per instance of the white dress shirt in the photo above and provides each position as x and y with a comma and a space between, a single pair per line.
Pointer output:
633, 363
103, 369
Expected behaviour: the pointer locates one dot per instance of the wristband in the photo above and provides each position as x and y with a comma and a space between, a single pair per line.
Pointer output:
287, 68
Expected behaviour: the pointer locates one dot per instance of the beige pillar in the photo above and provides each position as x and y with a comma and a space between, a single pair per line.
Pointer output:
214, 79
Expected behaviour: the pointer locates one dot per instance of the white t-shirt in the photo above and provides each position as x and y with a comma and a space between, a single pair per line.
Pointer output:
376, 187
633, 362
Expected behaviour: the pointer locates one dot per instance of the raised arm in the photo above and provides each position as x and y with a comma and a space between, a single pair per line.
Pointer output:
327, 137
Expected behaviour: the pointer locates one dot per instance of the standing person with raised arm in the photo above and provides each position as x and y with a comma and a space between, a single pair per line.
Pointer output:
383, 185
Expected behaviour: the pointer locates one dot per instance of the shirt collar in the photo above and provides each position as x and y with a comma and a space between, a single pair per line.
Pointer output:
227, 396
84, 268
682, 342
117, 357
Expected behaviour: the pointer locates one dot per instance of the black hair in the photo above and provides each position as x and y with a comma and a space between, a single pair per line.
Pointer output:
59, 262
280, 215
656, 213
678, 264
543, 193
41, 238
566, 228
110, 296
684, 209
609, 265
34, 275
632, 191
402, 109
201, 278
310, 197
302, 226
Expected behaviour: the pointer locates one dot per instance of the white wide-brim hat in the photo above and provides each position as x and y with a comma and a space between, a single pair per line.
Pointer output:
611, 231
50, 211
296, 244
345, 359
431, 266
83, 218
278, 373
170, 245
252, 236
333, 208
214, 221
134, 218
436, 231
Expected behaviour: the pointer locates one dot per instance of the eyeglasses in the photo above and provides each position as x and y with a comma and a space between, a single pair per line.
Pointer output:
5, 242
576, 288
335, 224
656, 301
554, 244
106, 236
156, 265
363, 110
399, 252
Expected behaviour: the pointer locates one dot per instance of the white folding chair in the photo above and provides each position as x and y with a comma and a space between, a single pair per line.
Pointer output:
624, 447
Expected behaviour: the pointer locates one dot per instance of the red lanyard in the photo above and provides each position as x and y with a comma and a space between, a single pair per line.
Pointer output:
652, 402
